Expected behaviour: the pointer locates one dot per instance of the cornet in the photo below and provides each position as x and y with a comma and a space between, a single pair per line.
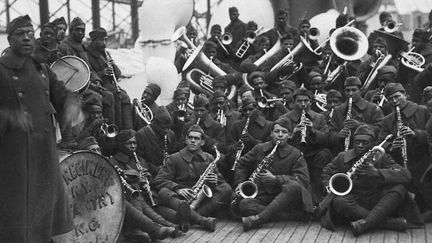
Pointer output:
225, 40
181, 112
264, 103
109, 130
391, 26
313, 33
143, 111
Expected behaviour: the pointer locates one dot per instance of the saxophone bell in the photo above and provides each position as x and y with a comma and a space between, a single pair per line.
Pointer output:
205, 192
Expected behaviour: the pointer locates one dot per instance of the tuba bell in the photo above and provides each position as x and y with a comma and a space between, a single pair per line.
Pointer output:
180, 34
349, 43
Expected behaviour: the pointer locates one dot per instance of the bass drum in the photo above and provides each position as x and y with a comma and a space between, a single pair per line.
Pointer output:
95, 194
73, 71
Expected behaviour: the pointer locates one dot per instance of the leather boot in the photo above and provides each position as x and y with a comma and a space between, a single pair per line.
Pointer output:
183, 216
359, 227
162, 233
397, 224
137, 235
208, 223
251, 222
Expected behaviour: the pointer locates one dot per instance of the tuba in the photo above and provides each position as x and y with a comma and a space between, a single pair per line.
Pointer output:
341, 184
200, 190
249, 189
143, 111
349, 43
413, 60
202, 72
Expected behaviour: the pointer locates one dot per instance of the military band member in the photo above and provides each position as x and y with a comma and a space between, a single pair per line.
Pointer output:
214, 132
236, 27
148, 97
362, 112
334, 98
134, 168
156, 141
103, 64
61, 26
281, 28
412, 129
180, 111
181, 172
46, 50
223, 52
283, 186
378, 186
309, 136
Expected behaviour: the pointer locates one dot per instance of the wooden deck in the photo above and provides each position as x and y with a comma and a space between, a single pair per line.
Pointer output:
230, 231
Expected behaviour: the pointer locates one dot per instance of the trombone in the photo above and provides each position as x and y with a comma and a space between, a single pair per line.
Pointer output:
250, 38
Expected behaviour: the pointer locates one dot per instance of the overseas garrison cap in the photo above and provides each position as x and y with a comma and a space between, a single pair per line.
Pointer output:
304, 21
333, 94
50, 25
200, 101
247, 101
208, 45
98, 33
351, 81
18, 22
220, 81
392, 88
195, 128
422, 34
427, 92
154, 89
283, 123
218, 94
92, 101
380, 40
255, 74
180, 91
124, 135
288, 84
232, 9
364, 130
387, 72
86, 142
302, 91
162, 116
60, 20
75, 22
215, 27
384, 15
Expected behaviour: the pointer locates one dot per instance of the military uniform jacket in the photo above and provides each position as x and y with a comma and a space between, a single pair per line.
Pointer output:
362, 111
33, 204
183, 169
237, 29
151, 145
390, 173
288, 165
98, 61
414, 116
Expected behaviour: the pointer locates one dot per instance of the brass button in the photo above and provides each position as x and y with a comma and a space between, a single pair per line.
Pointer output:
20, 94
15, 77
47, 92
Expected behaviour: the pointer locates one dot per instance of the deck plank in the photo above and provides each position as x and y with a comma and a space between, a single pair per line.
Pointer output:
390, 236
219, 226
274, 233
233, 234
312, 233
323, 236
404, 236
377, 236
428, 228
300, 232
262, 232
285, 234
364, 238
219, 236
418, 235
338, 235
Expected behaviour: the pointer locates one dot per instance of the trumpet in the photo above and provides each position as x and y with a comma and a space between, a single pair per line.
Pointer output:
239, 152
398, 134
391, 26
143, 111
225, 40
313, 33
144, 183
348, 116
221, 118
413, 60
341, 184
109, 64
181, 112
108, 130
125, 183
263, 102
250, 38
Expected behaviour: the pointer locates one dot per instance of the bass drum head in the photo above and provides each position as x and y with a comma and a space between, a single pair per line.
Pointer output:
95, 194
73, 71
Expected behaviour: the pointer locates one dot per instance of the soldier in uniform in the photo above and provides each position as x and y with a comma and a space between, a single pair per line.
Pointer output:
362, 112
149, 97
236, 27
282, 185
61, 26
46, 50
378, 186
411, 128
177, 177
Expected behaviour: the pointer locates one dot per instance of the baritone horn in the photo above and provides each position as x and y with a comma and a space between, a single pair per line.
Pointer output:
143, 111
413, 60
180, 34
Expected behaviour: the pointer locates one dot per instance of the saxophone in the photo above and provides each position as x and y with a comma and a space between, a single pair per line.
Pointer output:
144, 183
200, 190
249, 189
239, 152
340, 184
348, 116
399, 125
304, 130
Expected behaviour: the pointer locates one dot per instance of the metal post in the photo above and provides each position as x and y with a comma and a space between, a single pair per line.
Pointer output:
68, 11
113, 16
43, 12
134, 15
96, 13
7, 12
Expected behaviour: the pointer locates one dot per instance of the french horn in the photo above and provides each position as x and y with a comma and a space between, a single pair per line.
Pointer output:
143, 111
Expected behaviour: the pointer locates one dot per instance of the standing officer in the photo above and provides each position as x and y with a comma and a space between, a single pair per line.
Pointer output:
182, 171
34, 206
282, 185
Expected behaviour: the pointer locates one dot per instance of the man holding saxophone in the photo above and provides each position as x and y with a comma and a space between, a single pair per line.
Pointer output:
272, 180
183, 170
377, 183
407, 123
309, 135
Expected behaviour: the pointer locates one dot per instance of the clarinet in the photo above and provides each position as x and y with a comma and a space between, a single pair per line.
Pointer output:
165, 150
239, 152
348, 116
399, 125
144, 180
124, 182
304, 130
114, 79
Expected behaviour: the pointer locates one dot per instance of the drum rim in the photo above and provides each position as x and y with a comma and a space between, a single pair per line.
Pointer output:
87, 83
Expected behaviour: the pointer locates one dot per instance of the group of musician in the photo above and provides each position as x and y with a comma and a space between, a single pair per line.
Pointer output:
302, 139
